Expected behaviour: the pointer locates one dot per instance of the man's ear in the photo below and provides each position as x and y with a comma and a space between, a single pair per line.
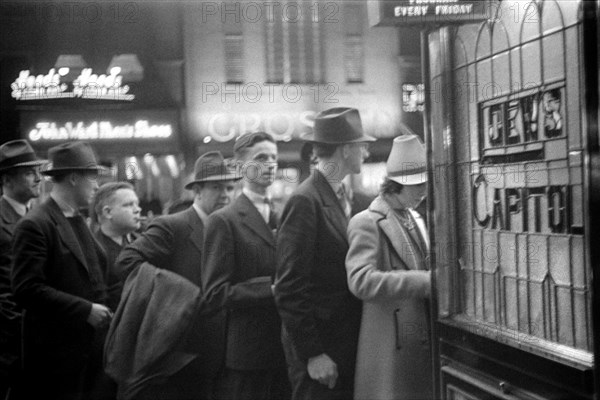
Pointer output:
106, 212
346, 150
72, 178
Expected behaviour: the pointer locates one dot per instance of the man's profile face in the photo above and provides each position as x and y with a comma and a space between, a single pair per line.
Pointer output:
24, 183
123, 210
85, 185
358, 152
215, 195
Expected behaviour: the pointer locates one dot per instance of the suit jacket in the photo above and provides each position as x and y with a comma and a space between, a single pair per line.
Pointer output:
174, 242
10, 313
386, 271
53, 282
239, 266
318, 312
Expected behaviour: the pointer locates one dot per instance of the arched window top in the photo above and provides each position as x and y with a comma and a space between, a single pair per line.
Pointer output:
571, 11
483, 48
460, 53
500, 41
466, 35
552, 17
530, 22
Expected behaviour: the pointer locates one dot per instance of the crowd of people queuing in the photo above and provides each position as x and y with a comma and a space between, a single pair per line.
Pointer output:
226, 299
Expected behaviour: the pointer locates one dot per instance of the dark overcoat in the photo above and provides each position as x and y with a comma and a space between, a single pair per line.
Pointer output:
239, 267
318, 312
52, 281
174, 242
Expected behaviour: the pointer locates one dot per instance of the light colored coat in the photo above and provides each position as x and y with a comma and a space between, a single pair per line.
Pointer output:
394, 353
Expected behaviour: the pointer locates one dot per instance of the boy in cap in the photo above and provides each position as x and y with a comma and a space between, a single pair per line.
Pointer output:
174, 242
58, 277
320, 316
20, 180
238, 268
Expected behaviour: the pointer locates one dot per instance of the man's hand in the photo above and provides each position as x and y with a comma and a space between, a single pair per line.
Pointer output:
323, 369
99, 316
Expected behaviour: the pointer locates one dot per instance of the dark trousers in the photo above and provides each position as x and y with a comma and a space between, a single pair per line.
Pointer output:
306, 388
80, 376
266, 384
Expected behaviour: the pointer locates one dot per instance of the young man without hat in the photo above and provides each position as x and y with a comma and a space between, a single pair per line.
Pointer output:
237, 275
174, 242
320, 316
116, 211
20, 182
58, 277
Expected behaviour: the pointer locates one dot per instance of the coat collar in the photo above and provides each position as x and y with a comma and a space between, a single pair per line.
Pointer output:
396, 233
252, 219
331, 206
7, 213
64, 230
196, 227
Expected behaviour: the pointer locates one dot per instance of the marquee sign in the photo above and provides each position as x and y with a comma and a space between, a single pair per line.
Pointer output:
415, 12
86, 86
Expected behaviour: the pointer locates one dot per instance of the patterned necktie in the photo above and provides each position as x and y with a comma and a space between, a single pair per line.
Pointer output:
343, 199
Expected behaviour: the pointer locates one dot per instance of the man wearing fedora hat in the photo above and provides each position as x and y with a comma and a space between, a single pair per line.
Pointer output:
19, 179
174, 242
238, 266
320, 316
387, 269
58, 277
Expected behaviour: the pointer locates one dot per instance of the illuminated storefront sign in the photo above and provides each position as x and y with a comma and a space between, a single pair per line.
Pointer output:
225, 126
86, 86
400, 12
47, 127
97, 130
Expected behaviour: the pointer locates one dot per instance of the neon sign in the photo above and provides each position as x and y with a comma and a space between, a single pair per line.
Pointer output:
225, 126
98, 130
86, 86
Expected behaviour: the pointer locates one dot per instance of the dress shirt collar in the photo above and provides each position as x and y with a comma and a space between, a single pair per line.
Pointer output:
260, 202
203, 216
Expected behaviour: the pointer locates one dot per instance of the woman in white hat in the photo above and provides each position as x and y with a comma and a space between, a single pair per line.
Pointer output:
387, 269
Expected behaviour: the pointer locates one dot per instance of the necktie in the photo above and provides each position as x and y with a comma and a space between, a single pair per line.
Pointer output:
343, 199
409, 222
267, 209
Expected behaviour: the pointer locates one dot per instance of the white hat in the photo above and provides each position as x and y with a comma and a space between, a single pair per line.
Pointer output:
407, 163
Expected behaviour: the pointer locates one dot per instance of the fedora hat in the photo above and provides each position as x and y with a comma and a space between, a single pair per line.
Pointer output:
337, 126
18, 153
71, 156
407, 163
212, 166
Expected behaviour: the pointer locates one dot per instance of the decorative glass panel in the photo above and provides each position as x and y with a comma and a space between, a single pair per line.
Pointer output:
554, 63
234, 59
531, 57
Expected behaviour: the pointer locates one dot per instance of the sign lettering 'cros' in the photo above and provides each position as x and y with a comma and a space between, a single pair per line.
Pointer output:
397, 13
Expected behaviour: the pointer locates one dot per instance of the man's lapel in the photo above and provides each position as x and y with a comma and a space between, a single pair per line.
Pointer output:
331, 206
252, 219
8, 215
65, 232
196, 228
